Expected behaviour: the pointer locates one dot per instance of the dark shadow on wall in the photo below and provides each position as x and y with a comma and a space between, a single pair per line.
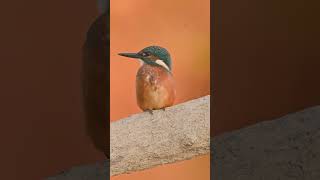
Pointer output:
96, 82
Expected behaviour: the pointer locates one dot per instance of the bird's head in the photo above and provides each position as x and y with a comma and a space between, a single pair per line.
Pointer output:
152, 55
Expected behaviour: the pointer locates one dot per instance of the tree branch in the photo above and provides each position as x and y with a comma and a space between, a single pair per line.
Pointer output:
145, 140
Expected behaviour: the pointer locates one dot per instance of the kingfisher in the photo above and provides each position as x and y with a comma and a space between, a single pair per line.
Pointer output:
155, 86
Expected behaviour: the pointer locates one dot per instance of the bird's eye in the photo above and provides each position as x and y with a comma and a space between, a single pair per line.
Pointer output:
145, 54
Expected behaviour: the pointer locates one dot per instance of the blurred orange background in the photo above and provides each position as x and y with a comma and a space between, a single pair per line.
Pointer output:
183, 28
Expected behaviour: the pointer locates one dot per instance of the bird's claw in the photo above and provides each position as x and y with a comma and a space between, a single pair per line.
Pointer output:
150, 111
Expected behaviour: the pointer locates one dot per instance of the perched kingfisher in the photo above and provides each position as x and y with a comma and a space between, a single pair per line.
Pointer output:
155, 87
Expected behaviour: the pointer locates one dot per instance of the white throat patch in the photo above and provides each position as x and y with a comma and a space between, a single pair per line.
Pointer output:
161, 63
141, 62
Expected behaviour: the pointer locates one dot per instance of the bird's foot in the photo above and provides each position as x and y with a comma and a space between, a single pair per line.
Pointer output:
150, 111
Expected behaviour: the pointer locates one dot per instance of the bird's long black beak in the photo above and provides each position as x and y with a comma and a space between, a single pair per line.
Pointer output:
130, 55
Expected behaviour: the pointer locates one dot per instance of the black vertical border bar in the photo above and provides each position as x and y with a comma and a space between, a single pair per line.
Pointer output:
108, 84
211, 83
213, 26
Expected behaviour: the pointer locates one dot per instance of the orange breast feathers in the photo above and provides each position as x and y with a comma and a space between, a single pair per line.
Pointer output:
155, 88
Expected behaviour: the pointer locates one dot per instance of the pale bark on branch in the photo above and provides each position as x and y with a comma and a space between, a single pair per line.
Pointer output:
145, 140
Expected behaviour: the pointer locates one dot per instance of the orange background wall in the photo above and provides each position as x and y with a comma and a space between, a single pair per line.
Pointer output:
42, 121
182, 27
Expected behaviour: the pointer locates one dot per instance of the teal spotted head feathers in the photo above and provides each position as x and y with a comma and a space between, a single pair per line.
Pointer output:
152, 55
